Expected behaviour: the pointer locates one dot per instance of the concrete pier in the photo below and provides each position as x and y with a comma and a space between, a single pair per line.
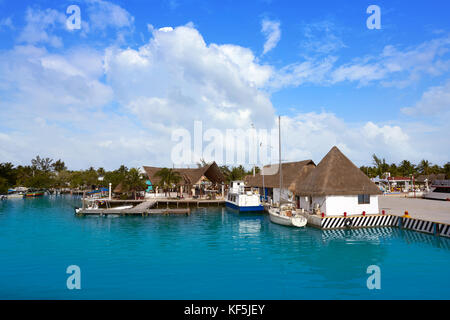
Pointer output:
418, 208
426, 216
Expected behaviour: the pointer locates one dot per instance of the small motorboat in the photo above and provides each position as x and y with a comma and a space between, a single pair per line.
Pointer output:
13, 194
34, 193
286, 215
95, 206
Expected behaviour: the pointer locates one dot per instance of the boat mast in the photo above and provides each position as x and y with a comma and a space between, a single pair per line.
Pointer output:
279, 155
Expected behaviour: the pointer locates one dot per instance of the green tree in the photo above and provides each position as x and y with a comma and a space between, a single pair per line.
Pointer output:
168, 178
380, 165
24, 175
202, 163
225, 171
237, 173
134, 181
59, 166
3, 186
115, 177
406, 168
41, 164
424, 167
62, 179
8, 172
446, 170
393, 169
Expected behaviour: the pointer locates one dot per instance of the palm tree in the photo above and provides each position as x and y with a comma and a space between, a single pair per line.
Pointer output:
446, 170
380, 164
424, 167
406, 168
134, 181
168, 178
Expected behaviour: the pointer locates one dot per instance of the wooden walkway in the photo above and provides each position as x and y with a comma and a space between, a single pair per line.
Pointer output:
131, 212
147, 207
143, 209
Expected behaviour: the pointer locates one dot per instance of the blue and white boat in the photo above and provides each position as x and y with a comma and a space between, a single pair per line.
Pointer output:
242, 200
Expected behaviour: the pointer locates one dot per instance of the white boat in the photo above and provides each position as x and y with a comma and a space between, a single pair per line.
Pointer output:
440, 190
240, 199
15, 195
95, 207
287, 216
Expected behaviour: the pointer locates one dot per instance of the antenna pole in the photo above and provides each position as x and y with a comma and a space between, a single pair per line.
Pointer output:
279, 155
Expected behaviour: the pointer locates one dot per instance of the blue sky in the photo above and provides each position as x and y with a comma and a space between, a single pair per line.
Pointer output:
113, 91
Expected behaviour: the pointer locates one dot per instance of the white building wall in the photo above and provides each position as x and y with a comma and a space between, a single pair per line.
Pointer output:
316, 201
285, 194
337, 205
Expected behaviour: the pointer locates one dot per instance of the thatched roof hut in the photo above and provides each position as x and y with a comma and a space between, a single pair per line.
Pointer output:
293, 173
118, 188
190, 176
336, 175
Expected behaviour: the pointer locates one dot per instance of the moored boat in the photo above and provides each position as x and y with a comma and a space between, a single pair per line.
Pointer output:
13, 194
287, 216
243, 201
33, 194
440, 190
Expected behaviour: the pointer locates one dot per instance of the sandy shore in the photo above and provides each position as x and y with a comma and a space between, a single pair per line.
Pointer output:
431, 210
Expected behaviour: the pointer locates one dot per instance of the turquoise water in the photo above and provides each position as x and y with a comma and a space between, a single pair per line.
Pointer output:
212, 254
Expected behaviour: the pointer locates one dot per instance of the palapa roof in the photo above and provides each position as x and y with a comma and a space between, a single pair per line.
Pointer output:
293, 172
336, 175
189, 176
118, 188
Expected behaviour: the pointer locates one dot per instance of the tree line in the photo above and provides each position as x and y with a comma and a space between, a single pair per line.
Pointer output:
45, 173
404, 169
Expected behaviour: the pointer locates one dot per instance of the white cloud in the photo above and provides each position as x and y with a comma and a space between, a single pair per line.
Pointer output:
68, 110
39, 26
178, 78
311, 136
6, 23
103, 14
391, 67
321, 37
309, 71
434, 102
272, 32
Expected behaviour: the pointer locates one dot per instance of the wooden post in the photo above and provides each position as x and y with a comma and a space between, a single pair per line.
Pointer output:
84, 193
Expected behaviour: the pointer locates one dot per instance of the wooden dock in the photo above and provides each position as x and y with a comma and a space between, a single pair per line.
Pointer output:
144, 208
129, 212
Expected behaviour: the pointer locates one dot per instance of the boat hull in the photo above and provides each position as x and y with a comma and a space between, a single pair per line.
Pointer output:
437, 196
287, 221
244, 208
34, 194
14, 196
